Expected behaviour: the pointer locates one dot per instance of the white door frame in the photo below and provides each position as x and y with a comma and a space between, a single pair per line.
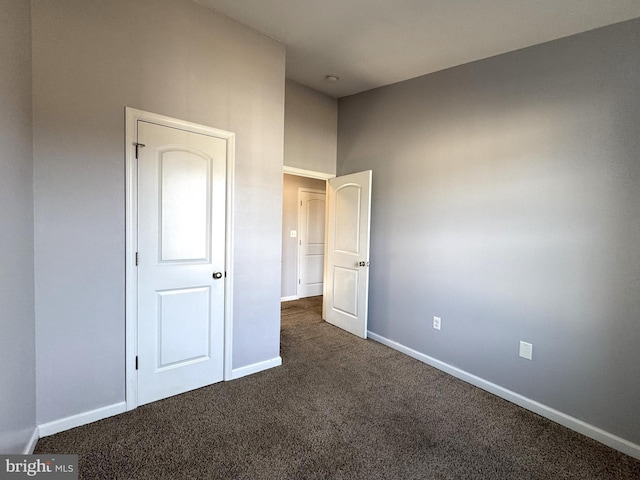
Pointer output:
301, 172
132, 116
299, 250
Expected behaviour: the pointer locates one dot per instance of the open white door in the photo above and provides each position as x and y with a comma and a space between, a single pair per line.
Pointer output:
346, 287
181, 268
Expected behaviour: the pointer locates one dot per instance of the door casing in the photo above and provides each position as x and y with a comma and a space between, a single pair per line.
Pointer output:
132, 116
301, 172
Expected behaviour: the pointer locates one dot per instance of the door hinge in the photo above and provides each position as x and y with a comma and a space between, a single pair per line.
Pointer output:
136, 362
138, 145
137, 258
299, 282
300, 202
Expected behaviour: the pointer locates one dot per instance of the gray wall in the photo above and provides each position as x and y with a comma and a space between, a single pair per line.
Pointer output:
290, 188
506, 201
310, 143
17, 324
173, 57
311, 125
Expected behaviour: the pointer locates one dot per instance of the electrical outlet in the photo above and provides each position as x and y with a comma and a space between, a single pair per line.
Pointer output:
436, 322
526, 350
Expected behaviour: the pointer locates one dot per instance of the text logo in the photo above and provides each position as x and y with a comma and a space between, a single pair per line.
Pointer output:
51, 467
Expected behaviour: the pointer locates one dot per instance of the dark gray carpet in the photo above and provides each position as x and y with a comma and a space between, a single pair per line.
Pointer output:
339, 407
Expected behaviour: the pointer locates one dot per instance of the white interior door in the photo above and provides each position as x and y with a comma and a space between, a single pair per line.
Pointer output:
347, 252
312, 209
181, 260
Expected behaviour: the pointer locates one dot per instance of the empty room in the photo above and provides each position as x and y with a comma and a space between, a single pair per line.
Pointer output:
276, 239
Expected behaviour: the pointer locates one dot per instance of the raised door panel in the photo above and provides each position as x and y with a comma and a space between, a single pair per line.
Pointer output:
184, 326
347, 219
185, 190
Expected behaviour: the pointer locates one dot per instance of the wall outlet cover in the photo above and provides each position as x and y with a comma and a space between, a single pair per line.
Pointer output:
437, 322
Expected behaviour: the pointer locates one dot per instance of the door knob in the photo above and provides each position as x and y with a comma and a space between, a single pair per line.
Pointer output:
362, 264
217, 275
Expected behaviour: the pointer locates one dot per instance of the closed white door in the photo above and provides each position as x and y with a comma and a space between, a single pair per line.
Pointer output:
312, 209
346, 289
181, 259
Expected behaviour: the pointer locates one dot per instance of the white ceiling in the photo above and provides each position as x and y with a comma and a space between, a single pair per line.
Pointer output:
370, 43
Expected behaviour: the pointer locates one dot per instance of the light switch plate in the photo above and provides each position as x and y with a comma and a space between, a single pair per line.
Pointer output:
526, 350
293, 233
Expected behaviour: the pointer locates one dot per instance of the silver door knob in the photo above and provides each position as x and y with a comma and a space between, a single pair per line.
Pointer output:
217, 275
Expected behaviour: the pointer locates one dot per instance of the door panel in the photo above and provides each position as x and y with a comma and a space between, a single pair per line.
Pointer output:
345, 291
347, 252
184, 206
181, 242
183, 326
348, 199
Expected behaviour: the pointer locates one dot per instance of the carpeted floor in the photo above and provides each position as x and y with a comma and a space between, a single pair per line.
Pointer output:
339, 408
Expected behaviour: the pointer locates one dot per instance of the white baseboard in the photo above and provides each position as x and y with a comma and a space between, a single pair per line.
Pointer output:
568, 421
31, 444
289, 299
80, 419
255, 368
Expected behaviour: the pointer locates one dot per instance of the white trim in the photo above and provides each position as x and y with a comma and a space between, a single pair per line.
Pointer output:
132, 116
256, 367
289, 299
301, 172
229, 236
80, 419
568, 421
131, 243
31, 444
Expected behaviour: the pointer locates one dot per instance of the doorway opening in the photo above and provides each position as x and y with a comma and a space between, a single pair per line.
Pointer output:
301, 279
346, 256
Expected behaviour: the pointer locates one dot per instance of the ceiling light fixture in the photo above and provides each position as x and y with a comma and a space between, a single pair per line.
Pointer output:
331, 78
